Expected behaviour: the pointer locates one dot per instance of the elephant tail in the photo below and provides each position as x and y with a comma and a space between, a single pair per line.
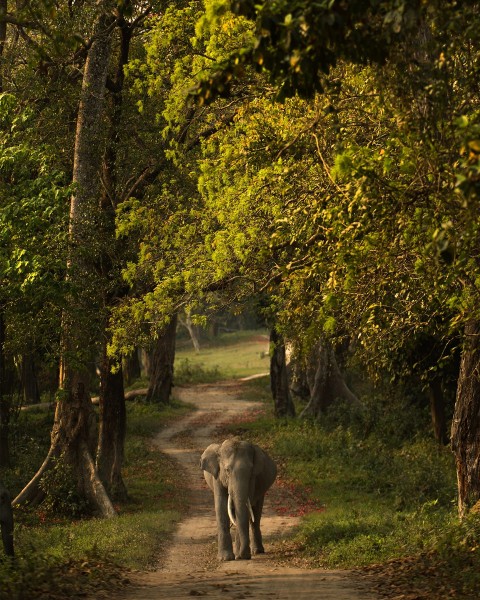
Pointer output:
231, 510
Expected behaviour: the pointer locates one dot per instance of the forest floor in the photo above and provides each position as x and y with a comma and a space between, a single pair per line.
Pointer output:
189, 566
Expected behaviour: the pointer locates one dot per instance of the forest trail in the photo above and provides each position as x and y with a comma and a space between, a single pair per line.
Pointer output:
189, 566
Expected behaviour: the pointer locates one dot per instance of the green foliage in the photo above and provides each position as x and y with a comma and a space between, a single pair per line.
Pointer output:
386, 488
33, 230
60, 486
63, 555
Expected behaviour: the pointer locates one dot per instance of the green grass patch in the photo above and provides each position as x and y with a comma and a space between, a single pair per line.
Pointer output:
376, 489
61, 557
230, 356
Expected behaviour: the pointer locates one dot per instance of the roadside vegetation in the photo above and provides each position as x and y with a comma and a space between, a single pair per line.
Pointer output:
61, 551
375, 491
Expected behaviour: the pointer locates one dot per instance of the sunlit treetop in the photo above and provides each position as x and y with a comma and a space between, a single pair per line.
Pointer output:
298, 43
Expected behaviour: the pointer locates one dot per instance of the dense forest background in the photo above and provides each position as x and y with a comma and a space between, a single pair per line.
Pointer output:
312, 168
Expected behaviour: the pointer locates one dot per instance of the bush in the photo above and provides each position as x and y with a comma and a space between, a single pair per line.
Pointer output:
60, 487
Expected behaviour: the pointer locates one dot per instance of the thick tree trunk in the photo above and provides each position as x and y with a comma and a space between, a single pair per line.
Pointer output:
31, 393
111, 435
326, 382
71, 433
465, 436
282, 399
131, 368
437, 410
161, 370
111, 441
3, 37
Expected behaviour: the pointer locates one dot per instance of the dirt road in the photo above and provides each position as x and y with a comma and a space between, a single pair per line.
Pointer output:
190, 567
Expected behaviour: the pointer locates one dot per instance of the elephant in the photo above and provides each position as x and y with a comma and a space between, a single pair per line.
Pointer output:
6, 520
239, 474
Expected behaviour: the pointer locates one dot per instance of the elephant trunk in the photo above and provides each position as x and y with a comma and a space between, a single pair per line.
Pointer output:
231, 510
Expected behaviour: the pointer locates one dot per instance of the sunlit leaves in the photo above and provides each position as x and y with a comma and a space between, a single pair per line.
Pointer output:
33, 225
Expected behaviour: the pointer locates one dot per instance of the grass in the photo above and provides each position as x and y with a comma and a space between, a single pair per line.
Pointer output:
231, 355
376, 493
377, 490
58, 557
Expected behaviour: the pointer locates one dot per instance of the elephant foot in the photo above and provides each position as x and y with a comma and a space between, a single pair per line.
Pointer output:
260, 550
244, 556
224, 556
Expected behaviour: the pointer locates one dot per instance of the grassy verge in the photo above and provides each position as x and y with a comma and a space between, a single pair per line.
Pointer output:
231, 355
378, 495
58, 557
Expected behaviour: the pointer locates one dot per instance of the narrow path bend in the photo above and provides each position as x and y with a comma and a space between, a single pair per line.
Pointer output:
189, 567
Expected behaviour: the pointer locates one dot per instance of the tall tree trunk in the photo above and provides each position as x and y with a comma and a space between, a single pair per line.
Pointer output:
5, 402
437, 410
111, 434
326, 382
282, 399
31, 393
131, 367
71, 434
187, 323
3, 37
111, 441
161, 370
465, 436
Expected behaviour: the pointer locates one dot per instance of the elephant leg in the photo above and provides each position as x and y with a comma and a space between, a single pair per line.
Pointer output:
257, 543
225, 548
242, 537
236, 542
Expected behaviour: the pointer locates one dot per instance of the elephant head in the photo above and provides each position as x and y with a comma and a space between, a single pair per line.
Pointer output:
239, 473
6, 520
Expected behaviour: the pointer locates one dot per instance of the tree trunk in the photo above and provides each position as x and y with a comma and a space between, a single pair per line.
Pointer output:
5, 402
111, 441
282, 399
465, 436
31, 394
3, 37
111, 435
71, 434
187, 323
326, 382
161, 377
131, 368
437, 410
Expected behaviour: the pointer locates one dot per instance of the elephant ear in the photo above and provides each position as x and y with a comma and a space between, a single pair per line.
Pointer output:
209, 460
258, 460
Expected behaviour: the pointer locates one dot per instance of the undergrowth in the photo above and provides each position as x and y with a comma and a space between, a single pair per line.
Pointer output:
386, 489
58, 556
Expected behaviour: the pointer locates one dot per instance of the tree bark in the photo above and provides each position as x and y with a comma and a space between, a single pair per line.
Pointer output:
437, 410
31, 393
282, 400
3, 37
161, 369
187, 323
131, 367
326, 382
112, 429
465, 435
111, 441
71, 434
